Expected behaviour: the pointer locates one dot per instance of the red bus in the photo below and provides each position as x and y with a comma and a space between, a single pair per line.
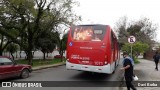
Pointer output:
92, 48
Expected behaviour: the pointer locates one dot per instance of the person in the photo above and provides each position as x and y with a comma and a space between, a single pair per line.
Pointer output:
131, 60
128, 68
156, 58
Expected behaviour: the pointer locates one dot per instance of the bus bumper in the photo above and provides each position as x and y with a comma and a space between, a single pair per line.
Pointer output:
99, 69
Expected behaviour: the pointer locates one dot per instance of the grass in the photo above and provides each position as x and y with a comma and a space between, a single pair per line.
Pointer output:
39, 62
136, 61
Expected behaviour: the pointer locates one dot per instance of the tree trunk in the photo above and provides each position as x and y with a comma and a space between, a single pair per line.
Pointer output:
16, 54
62, 56
20, 54
29, 58
1, 52
61, 51
33, 54
44, 56
12, 56
47, 54
30, 47
1, 45
29, 54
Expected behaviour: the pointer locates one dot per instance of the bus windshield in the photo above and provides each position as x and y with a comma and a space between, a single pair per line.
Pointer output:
88, 33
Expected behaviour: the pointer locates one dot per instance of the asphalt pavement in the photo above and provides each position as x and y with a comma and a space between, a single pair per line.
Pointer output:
59, 73
145, 71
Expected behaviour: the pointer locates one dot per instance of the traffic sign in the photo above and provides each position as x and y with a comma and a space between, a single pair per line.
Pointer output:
131, 39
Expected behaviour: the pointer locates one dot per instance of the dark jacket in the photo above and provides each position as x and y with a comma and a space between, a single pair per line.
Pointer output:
156, 57
129, 71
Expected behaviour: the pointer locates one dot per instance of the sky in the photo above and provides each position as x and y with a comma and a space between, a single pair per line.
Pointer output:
109, 11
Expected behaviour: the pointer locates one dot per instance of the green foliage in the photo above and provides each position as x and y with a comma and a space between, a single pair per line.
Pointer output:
46, 42
64, 41
140, 47
4, 41
137, 47
135, 60
28, 19
12, 48
61, 42
143, 29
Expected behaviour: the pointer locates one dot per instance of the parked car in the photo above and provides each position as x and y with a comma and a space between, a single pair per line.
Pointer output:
9, 68
58, 56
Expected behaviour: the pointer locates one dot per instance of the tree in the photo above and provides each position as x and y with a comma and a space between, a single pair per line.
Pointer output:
46, 43
121, 28
61, 43
64, 39
137, 48
12, 48
143, 27
29, 18
3, 43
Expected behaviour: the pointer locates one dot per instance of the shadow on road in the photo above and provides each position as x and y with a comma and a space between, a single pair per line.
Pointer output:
90, 79
9, 79
90, 76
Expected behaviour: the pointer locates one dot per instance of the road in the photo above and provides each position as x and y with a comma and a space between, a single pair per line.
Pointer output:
61, 74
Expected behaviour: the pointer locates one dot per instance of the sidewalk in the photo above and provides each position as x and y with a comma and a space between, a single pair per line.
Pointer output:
47, 66
145, 71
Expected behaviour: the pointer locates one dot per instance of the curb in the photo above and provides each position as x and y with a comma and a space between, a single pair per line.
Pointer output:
47, 66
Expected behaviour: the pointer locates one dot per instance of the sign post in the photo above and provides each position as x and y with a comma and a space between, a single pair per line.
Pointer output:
131, 40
